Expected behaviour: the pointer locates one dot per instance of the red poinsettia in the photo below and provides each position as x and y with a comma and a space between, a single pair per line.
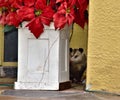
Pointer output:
12, 19
42, 12
64, 15
9, 15
29, 3
3, 5
25, 13
80, 12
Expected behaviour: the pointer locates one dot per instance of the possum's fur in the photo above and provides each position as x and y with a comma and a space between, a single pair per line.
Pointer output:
77, 64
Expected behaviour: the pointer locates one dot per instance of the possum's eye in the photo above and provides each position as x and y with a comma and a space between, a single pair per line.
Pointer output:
76, 56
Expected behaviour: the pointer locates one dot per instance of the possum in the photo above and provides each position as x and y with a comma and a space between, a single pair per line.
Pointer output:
78, 64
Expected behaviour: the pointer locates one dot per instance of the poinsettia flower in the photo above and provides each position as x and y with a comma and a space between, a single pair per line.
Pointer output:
25, 13
10, 3
29, 3
53, 4
3, 14
43, 15
9, 15
40, 4
82, 5
15, 3
3, 3
57, 1
71, 2
40, 12
52, 1
64, 15
59, 20
36, 27
80, 18
13, 19
47, 15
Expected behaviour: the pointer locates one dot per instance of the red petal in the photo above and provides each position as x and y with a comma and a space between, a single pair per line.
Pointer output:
80, 13
45, 21
26, 13
36, 27
82, 5
47, 15
57, 1
71, 2
80, 21
15, 3
40, 4
29, 3
52, 2
3, 3
59, 21
48, 12
12, 19
62, 17
70, 19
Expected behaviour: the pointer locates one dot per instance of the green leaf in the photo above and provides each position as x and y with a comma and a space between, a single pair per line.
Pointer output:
8, 28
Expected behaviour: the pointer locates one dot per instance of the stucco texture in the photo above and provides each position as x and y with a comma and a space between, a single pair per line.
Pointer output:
103, 72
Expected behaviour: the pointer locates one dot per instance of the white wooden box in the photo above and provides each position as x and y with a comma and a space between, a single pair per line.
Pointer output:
43, 63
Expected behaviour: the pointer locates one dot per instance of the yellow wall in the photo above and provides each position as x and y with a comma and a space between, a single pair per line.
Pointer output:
103, 72
1, 31
79, 37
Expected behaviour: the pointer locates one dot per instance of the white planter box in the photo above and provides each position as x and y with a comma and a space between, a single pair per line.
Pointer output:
43, 63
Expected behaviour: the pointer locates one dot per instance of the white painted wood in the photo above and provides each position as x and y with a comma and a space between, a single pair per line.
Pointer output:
43, 63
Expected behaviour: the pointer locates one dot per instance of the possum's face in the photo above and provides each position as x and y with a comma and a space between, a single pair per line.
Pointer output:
76, 55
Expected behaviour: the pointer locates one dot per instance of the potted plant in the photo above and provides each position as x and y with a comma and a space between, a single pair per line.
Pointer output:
43, 63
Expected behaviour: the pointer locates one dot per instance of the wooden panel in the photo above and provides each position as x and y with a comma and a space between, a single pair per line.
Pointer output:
1, 43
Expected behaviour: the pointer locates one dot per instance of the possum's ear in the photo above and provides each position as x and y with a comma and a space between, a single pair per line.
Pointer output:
81, 50
71, 49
